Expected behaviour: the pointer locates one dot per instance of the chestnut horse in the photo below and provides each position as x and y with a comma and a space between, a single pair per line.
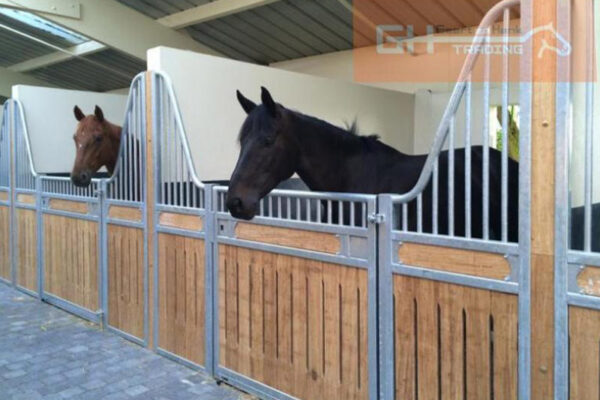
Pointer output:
97, 143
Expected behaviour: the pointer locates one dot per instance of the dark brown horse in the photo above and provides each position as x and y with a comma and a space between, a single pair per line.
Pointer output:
277, 142
97, 143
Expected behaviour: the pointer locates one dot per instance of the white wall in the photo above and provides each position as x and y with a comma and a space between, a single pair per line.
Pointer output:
51, 123
205, 87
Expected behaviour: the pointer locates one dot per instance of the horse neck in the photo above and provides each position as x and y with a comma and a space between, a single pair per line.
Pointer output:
115, 135
324, 153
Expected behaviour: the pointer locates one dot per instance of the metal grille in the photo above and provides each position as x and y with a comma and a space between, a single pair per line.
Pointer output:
127, 183
434, 192
62, 186
25, 175
5, 147
178, 184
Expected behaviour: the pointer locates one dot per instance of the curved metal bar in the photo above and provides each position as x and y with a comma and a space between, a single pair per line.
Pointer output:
443, 129
180, 127
25, 133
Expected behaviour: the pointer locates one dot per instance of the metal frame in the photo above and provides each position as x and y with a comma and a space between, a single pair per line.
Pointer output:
6, 181
120, 190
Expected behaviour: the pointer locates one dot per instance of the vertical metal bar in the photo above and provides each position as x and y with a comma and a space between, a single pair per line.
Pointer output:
319, 206
435, 197
505, 127
298, 209
340, 212
308, 214
352, 204
468, 159
420, 213
486, 142
386, 361
270, 202
289, 207
451, 178
329, 212
589, 134
404, 217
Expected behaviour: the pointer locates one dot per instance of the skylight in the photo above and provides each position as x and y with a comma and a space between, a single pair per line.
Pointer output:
43, 25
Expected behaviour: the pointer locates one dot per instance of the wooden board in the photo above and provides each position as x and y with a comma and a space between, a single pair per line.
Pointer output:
300, 239
589, 281
71, 260
125, 213
71, 206
181, 291
5, 266
26, 198
4, 196
27, 265
476, 263
454, 342
181, 221
126, 279
584, 353
294, 324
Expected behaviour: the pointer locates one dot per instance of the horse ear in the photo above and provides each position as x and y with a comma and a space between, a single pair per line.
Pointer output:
268, 101
247, 105
79, 115
99, 114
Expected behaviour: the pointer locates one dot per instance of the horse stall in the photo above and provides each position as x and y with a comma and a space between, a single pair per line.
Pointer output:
290, 297
56, 235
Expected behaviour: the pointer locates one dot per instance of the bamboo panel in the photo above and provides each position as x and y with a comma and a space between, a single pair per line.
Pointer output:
459, 261
589, 281
125, 213
294, 324
297, 238
181, 305
67, 205
71, 260
584, 353
26, 226
126, 279
181, 221
5, 243
454, 342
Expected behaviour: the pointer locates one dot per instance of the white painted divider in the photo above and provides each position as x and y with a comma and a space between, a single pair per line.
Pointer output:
51, 123
205, 87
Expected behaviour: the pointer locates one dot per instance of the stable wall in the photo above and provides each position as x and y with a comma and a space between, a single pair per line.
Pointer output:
205, 88
51, 123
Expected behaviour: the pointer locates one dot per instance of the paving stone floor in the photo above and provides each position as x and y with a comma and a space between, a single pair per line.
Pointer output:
46, 353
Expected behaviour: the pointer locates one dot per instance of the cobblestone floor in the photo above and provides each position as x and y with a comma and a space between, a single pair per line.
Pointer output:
46, 353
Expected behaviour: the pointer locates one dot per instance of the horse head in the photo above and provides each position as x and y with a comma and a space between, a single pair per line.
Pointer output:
97, 144
267, 157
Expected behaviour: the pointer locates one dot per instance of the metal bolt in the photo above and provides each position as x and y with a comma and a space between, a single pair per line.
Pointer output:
543, 369
545, 124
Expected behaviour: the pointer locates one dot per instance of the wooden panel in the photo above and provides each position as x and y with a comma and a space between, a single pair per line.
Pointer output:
5, 243
3, 196
66, 205
459, 261
294, 324
181, 266
26, 225
71, 260
584, 353
26, 198
181, 221
454, 342
307, 240
125, 213
126, 279
589, 281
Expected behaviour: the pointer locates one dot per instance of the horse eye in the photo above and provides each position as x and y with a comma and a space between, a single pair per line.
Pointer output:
268, 141
98, 139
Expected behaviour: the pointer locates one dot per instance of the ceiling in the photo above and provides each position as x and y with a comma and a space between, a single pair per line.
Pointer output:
281, 30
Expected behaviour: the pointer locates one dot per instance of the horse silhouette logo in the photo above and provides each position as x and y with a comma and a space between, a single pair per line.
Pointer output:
498, 44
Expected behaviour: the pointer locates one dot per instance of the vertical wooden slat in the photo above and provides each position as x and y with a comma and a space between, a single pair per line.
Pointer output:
405, 338
27, 249
5, 243
504, 311
451, 342
477, 312
584, 327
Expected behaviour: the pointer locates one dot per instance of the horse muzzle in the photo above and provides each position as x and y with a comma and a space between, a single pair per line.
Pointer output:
241, 209
82, 179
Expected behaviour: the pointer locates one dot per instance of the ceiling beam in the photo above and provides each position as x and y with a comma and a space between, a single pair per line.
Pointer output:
79, 50
65, 8
10, 78
210, 11
122, 28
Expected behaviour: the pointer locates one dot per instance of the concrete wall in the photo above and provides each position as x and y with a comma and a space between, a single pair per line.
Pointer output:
51, 123
205, 87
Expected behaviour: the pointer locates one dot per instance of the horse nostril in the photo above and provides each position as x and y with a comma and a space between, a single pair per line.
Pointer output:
234, 204
84, 177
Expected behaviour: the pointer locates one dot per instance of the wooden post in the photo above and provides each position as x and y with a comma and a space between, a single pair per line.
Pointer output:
150, 208
543, 129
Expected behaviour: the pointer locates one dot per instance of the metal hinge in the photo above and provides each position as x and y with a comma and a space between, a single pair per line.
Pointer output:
376, 218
